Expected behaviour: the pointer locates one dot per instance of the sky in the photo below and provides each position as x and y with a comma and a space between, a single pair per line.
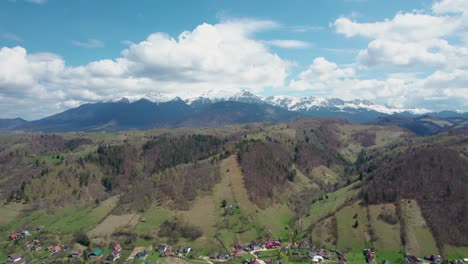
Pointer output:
56, 54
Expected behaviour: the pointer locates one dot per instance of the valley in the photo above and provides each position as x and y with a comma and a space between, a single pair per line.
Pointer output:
313, 185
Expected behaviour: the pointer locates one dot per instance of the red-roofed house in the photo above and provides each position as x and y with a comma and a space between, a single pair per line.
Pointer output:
117, 248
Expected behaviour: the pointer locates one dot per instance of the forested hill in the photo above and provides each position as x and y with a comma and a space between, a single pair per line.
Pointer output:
294, 181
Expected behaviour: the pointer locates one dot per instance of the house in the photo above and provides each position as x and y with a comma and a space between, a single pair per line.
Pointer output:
238, 246
247, 247
54, 249
97, 253
272, 244
162, 248
114, 255
254, 245
223, 255
370, 255
304, 244
76, 254
15, 258
141, 255
28, 243
185, 250
35, 243
342, 259
256, 261
324, 253
317, 259
36, 248
167, 253
13, 236
117, 248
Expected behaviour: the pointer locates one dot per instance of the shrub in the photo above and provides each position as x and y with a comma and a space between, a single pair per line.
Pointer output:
82, 238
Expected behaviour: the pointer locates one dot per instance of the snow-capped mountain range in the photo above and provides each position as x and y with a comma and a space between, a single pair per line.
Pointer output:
291, 103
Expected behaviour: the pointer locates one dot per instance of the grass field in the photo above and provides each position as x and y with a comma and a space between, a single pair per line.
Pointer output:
282, 217
60, 225
322, 233
388, 235
419, 239
233, 185
452, 252
349, 235
328, 206
154, 217
201, 214
324, 175
113, 222
66, 220
9, 212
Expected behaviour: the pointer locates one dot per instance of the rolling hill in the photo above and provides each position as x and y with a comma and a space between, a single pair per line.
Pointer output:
331, 182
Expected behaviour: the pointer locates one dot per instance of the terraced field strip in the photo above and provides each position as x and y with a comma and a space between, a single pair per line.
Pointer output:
419, 239
329, 206
388, 235
9, 212
112, 223
353, 227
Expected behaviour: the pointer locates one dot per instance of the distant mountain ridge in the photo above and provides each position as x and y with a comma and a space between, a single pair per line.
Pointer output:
160, 110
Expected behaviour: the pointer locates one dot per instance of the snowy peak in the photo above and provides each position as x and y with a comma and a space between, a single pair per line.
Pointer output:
292, 103
246, 96
161, 98
121, 100
301, 103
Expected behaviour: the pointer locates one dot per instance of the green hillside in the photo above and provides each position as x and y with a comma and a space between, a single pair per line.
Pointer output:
309, 180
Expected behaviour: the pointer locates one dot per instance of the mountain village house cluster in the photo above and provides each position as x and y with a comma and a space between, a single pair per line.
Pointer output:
249, 253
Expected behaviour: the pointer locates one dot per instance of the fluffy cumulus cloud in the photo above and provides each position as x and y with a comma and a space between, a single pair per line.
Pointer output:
321, 76
416, 59
428, 51
222, 57
414, 39
441, 90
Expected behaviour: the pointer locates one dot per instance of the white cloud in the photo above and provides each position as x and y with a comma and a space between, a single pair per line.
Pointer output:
221, 57
414, 39
320, 75
90, 43
435, 53
288, 43
404, 90
450, 6
403, 27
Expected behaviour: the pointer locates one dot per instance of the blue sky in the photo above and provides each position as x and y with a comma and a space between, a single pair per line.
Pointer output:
59, 54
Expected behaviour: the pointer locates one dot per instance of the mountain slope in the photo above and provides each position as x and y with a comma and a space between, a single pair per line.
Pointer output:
426, 125
159, 110
211, 188
432, 171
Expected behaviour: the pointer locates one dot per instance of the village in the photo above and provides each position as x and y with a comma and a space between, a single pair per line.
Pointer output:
253, 252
